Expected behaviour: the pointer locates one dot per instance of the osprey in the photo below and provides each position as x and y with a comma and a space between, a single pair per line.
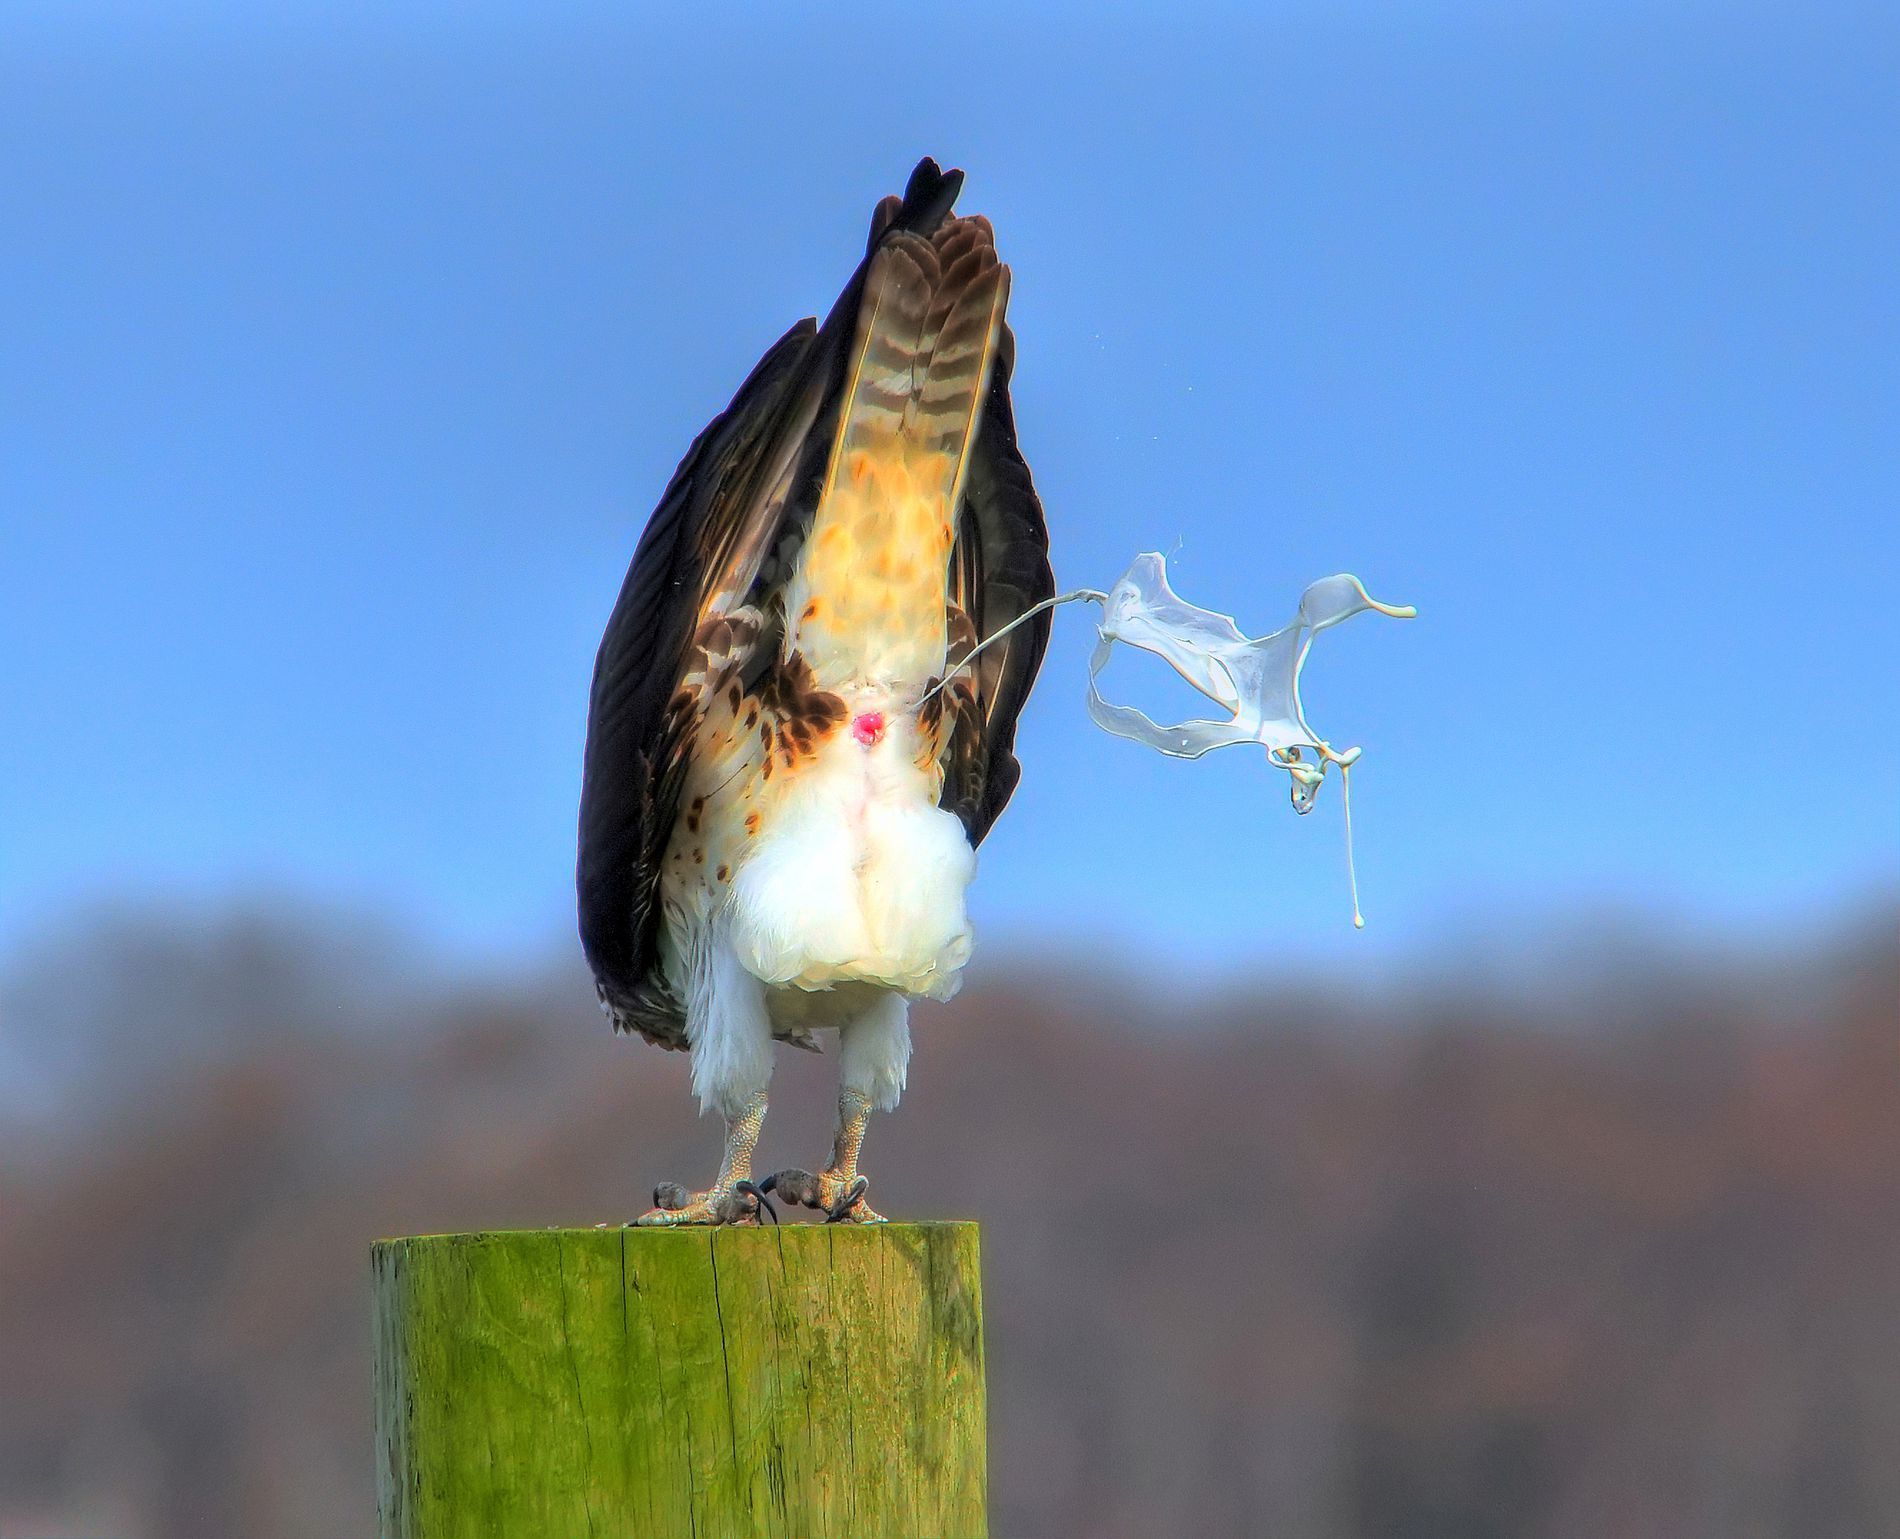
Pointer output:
789, 764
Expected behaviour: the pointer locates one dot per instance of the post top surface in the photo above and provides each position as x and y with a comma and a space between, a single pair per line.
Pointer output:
794, 1231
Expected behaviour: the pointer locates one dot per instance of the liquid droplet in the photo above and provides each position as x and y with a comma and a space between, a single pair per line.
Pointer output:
1352, 875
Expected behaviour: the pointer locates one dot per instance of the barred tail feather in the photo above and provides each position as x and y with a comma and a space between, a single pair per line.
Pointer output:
928, 326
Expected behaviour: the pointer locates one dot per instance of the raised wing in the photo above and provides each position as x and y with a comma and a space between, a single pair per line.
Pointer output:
707, 535
999, 569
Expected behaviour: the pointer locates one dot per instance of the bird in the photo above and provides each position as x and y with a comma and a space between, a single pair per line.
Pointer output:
804, 706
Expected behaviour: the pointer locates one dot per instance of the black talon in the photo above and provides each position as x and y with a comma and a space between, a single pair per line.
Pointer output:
761, 1204
799, 1187
670, 1195
852, 1197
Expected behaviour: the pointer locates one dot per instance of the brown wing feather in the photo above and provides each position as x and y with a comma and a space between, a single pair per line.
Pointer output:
643, 706
999, 569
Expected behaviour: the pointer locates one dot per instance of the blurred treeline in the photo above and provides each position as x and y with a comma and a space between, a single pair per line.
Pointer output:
1613, 1248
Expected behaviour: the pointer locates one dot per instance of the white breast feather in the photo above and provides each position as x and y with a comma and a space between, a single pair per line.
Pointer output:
858, 876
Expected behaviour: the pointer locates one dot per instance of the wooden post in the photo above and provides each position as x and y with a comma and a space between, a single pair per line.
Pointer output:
807, 1381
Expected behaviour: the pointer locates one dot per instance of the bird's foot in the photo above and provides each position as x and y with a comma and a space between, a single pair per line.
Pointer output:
740, 1203
839, 1197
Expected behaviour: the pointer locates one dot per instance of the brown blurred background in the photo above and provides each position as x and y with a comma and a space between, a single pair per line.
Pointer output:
1610, 1252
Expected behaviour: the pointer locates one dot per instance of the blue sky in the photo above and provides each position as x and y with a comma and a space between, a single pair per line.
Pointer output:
345, 354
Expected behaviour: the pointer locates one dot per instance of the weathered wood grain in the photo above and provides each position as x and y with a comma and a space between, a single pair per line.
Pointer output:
801, 1382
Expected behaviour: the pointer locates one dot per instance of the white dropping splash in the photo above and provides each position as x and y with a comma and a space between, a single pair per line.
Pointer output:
1093, 594
1255, 680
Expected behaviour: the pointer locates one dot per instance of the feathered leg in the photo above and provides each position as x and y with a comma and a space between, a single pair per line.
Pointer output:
873, 1057
731, 1037
732, 1198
